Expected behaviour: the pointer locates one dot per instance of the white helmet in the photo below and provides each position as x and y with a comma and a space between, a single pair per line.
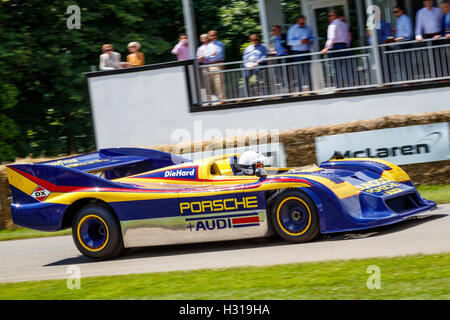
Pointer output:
248, 161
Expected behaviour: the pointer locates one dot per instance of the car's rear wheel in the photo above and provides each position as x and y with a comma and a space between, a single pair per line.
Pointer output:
96, 232
294, 217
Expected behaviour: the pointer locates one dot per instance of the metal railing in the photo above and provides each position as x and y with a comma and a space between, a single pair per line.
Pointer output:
314, 73
415, 61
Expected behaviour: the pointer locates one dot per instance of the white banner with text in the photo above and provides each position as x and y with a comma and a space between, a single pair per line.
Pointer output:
402, 145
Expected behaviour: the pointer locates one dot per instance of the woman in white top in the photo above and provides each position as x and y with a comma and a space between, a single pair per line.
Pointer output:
109, 60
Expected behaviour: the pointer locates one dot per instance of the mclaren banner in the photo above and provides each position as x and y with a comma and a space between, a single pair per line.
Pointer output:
403, 145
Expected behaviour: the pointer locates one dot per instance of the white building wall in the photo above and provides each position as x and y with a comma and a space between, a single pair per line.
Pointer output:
150, 108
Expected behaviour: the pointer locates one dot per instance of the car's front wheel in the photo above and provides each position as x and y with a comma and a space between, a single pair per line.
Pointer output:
294, 217
97, 233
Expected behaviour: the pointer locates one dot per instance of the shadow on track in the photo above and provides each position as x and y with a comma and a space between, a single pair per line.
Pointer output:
182, 249
383, 230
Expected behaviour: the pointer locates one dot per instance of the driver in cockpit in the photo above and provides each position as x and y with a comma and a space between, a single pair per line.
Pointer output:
249, 161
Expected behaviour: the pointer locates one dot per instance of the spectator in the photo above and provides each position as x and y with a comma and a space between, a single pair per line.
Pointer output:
429, 22
337, 34
201, 51
384, 34
403, 26
181, 49
254, 53
135, 58
338, 39
254, 56
279, 41
445, 6
215, 54
109, 60
279, 48
300, 39
201, 58
349, 38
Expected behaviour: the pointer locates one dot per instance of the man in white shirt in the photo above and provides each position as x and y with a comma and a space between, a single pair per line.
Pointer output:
201, 51
338, 39
429, 22
202, 59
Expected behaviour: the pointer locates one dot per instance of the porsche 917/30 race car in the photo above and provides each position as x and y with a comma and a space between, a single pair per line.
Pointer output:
127, 197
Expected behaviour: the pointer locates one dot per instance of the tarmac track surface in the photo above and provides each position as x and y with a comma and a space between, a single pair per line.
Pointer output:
49, 258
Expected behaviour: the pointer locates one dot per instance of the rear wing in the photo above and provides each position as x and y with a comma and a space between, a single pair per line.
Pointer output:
30, 183
115, 163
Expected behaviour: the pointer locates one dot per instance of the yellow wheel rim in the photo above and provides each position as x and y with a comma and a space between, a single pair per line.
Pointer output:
89, 230
281, 224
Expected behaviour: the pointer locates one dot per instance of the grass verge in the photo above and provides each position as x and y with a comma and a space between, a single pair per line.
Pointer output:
409, 277
22, 233
440, 193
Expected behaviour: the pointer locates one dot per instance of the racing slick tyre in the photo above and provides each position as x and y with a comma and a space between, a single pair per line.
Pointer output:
294, 217
97, 233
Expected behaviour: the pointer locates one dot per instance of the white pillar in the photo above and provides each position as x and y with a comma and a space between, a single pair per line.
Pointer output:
361, 25
374, 42
264, 21
189, 22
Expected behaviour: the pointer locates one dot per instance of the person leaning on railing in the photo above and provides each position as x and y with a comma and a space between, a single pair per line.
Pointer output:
253, 57
109, 60
279, 42
403, 25
445, 7
430, 25
429, 22
135, 58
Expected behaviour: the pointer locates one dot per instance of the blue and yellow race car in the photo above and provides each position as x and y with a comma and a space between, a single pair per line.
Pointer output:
127, 197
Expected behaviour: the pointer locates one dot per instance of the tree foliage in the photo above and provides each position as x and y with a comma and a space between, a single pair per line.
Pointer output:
44, 102
44, 99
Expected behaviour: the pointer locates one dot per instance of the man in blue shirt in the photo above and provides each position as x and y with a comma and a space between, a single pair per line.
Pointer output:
394, 64
279, 42
445, 6
253, 57
254, 53
300, 39
403, 26
279, 48
384, 34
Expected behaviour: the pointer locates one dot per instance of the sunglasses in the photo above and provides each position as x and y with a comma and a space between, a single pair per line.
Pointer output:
396, 11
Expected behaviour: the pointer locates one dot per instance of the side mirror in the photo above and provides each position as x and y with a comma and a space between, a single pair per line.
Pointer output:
261, 173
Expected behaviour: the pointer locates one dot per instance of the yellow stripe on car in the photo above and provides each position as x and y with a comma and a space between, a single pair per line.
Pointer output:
20, 182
